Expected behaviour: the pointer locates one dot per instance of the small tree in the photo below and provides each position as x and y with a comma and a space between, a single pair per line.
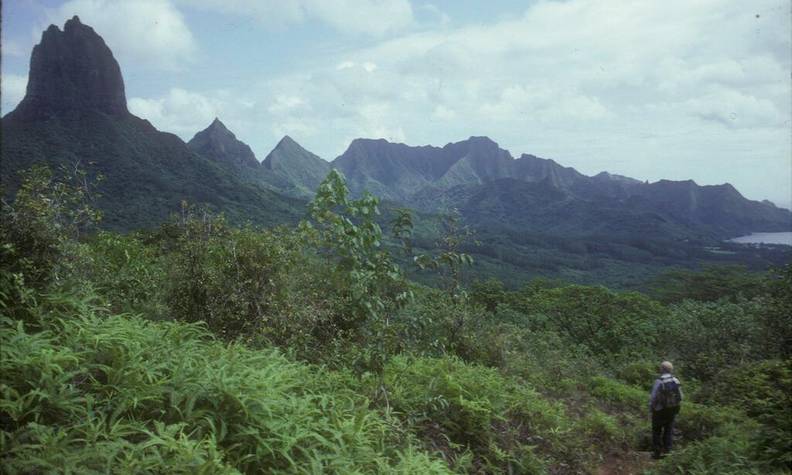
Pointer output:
347, 235
36, 230
450, 260
47, 212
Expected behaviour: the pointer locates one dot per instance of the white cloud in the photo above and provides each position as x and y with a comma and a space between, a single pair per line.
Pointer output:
146, 33
440, 16
12, 89
373, 17
14, 48
443, 113
181, 112
639, 88
735, 109
283, 104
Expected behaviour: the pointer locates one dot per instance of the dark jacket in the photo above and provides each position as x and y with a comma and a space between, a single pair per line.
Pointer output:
654, 401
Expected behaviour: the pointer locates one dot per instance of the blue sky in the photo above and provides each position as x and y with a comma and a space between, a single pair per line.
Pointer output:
673, 89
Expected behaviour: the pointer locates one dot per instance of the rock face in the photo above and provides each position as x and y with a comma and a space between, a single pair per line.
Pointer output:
218, 143
72, 71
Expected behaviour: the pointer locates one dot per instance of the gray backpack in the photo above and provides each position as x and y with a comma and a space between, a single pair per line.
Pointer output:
668, 394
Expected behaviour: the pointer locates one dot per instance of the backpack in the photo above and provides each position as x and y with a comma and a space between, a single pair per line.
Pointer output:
669, 394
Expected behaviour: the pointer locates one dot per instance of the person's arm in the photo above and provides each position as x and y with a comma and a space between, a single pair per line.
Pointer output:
653, 395
679, 385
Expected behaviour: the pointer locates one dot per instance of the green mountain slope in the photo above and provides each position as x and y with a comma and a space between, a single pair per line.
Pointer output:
294, 170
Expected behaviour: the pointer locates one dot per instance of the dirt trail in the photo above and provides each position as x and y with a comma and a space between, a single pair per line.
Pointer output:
625, 464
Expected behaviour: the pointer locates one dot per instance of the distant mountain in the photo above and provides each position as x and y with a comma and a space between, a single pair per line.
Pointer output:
489, 186
219, 144
718, 207
391, 171
399, 171
74, 112
288, 169
294, 170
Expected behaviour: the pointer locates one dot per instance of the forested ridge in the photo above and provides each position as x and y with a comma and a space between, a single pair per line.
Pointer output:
200, 347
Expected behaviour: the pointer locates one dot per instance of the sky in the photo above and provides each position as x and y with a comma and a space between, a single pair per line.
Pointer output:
673, 89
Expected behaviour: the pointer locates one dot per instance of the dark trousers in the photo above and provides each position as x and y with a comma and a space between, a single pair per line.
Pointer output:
662, 429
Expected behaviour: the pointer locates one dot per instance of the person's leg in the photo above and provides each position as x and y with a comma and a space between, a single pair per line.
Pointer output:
668, 430
657, 427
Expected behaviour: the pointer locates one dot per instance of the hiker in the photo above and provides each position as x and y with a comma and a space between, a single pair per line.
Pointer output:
664, 403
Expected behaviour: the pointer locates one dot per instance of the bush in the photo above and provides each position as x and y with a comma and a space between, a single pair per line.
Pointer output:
698, 421
614, 326
639, 373
234, 280
762, 391
458, 407
727, 455
708, 336
620, 396
602, 428
125, 271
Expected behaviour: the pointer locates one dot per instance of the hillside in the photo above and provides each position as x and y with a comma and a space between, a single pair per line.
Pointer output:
74, 114
294, 170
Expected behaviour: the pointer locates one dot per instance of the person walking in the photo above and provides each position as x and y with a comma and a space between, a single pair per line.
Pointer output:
664, 403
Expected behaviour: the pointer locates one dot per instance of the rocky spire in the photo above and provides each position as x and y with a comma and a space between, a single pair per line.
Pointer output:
72, 72
221, 145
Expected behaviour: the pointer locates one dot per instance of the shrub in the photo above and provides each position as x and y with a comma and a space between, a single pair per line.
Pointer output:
619, 395
639, 373
602, 428
459, 407
762, 391
614, 326
47, 212
707, 337
728, 455
234, 280
127, 272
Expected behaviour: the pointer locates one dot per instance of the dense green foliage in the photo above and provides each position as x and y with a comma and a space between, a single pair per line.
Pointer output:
202, 347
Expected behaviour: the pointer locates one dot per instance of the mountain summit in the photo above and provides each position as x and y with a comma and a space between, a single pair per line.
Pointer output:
218, 143
72, 71
294, 170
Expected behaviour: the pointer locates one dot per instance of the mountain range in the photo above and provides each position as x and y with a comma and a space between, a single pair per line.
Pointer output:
75, 112
491, 187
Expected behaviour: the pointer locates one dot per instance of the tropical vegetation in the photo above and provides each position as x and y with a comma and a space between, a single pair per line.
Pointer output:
205, 347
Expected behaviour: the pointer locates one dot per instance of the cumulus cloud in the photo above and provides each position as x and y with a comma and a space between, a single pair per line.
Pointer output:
12, 89
643, 89
146, 33
373, 17
14, 48
180, 111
